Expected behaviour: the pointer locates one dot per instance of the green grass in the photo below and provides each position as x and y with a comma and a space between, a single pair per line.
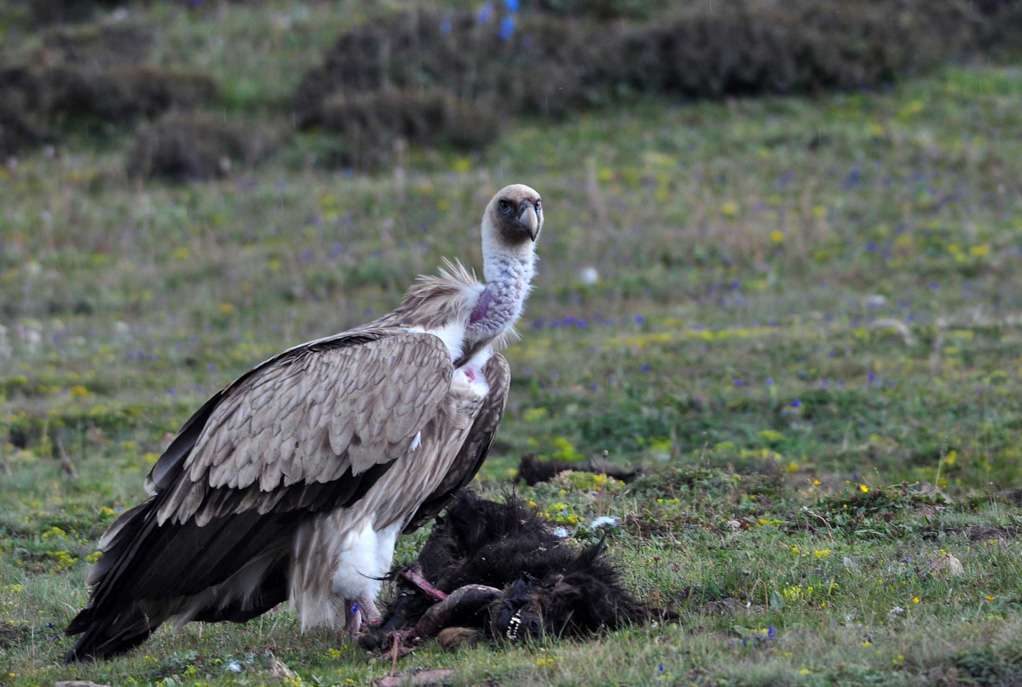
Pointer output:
807, 311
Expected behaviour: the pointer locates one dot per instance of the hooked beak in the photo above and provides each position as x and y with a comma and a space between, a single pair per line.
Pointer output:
528, 218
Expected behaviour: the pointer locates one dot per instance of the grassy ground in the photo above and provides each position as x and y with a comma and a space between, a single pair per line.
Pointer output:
807, 326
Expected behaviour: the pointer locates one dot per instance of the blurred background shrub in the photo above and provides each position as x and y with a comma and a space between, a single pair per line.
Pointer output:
451, 78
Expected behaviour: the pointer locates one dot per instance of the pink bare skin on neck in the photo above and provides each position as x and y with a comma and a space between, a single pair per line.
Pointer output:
479, 312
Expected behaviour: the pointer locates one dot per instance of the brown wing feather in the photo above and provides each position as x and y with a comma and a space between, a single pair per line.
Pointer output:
312, 418
476, 447
319, 424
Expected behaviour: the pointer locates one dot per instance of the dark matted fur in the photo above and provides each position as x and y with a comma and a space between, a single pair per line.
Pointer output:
555, 589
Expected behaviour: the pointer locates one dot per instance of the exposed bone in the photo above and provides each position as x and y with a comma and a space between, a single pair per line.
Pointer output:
414, 575
463, 600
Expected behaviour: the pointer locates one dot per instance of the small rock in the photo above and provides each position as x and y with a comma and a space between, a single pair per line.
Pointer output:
280, 670
78, 683
234, 667
607, 521
893, 325
946, 565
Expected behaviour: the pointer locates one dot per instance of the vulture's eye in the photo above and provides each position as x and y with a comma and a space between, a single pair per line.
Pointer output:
504, 206
539, 205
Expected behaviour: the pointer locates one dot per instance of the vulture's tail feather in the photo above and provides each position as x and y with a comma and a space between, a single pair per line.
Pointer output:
148, 572
151, 571
111, 634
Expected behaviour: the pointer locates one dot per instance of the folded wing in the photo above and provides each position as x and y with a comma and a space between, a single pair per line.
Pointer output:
309, 430
476, 447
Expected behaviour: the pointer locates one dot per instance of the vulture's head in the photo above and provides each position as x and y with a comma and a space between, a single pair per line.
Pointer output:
513, 218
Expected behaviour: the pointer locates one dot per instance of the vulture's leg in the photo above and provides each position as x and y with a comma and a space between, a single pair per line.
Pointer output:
352, 618
358, 613
370, 614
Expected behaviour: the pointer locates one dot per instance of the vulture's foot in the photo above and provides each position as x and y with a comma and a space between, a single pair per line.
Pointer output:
352, 618
414, 576
361, 612
370, 614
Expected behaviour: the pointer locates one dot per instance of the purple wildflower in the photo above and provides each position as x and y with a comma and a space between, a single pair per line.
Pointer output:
507, 28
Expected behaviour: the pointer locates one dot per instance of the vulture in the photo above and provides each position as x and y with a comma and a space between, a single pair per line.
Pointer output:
294, 481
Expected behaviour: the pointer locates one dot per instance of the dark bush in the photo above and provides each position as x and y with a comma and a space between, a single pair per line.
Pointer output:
122, 93
17, 130
21, 107
54, 11
602, 10
1002, 23
371, 122
199, 146
90, 74
736, 49
559, 56
542, 67
100, 46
